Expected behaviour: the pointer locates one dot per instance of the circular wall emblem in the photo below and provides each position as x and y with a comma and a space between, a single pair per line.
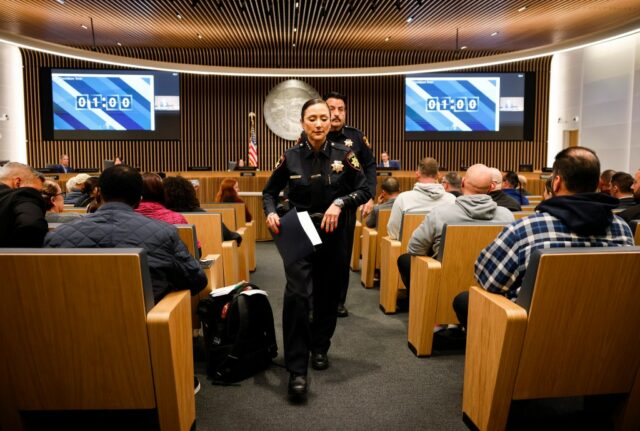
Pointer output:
282, 107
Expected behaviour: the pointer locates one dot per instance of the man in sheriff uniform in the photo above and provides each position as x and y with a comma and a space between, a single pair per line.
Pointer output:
358, 143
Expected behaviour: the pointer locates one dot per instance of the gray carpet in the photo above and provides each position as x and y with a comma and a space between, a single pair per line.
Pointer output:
374, 381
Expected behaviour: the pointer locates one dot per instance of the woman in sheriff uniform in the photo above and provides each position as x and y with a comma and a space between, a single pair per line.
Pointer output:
323, 178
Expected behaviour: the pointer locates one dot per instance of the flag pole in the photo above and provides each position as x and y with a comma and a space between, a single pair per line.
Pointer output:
253, 146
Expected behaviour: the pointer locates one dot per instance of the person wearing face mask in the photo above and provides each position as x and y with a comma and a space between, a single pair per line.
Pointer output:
325, 179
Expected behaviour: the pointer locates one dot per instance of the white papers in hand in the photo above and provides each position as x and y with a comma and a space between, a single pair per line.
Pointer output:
309, 228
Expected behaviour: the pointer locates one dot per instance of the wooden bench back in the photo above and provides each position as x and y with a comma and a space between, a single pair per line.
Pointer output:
228, 217
209, 228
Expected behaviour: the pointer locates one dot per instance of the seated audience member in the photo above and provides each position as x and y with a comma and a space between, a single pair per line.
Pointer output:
547, 193
576, 216
385, 162
63, 166
240, 163
118, 160
390, 191
180, 196
89, 189
474, 205
511, 187
22, 222
452, 183
621, 183
116, 224
228, 192
604, 183
74, 188
153, 198
427, 194
54, 204
633, 213
500, 197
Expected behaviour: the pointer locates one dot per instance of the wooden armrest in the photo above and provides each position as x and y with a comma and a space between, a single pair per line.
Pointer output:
495, 334
230, 262
243, 258
426, 275
369, 248
389, 277
251, 228
170, 344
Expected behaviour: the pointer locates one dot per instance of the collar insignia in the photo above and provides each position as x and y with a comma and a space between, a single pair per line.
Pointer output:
348, 143
337, 166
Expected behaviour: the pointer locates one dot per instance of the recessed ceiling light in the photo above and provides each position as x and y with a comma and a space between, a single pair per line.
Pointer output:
495, 33
84, 26
178, 15
199, 36
410, 19
118, 43
463, 47
295, 29
60, 1
387, 39
523, 8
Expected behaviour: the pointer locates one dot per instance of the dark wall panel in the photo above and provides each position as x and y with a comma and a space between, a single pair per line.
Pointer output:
215, 121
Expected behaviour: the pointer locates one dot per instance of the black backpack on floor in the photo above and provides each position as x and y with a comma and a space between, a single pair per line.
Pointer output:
239, 334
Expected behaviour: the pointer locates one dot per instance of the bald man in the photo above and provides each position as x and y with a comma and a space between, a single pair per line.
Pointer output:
474, 205
500, 197
22, 209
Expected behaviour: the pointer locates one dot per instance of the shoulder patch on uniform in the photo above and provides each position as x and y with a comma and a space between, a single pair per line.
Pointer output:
353, 161
279, 162
366, 141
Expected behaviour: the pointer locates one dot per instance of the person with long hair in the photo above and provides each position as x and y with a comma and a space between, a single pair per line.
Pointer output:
153, 198
323, 178
228, 192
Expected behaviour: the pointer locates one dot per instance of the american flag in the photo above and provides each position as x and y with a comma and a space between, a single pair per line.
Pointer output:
253, 146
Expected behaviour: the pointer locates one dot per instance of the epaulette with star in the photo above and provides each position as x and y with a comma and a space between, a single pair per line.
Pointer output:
353, 161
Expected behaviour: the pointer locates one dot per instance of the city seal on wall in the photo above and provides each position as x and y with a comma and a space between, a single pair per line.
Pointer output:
282, 107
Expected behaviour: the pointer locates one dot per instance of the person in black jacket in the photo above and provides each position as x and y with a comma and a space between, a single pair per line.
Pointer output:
324, 178
22, 209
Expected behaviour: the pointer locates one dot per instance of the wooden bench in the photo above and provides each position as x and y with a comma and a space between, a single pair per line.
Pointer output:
91, 338
572, 332
371, 249
229, 219
390, 281
434, 283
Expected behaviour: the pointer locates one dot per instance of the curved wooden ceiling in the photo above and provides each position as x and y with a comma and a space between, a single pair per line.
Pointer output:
317, 25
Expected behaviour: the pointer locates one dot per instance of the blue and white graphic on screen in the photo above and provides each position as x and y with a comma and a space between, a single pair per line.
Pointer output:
452, 104
103, 102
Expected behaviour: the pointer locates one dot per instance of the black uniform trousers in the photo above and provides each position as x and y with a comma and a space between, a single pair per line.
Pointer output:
345, 271
310, 300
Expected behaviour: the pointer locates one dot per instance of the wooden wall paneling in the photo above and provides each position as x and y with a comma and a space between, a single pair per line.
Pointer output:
215, 123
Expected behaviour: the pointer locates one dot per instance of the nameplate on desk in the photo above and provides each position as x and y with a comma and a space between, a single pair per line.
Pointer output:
383, 173
247, 174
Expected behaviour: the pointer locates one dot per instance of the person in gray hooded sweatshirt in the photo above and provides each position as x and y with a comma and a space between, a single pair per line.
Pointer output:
426, 195
474, 205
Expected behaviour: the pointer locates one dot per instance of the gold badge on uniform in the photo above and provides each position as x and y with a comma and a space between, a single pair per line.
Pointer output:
337, 166
348, 143
353, 160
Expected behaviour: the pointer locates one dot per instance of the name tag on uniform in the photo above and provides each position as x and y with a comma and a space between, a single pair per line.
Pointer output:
295, 177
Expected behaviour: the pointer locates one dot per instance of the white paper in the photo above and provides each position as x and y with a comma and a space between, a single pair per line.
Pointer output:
253, 292
224, 290
309, 227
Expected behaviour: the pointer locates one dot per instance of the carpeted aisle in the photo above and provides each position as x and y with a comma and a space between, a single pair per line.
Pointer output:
374, 381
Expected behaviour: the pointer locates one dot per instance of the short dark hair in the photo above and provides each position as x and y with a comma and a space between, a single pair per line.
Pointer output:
512, 178
312, 102
428, 167
121, 183
623, 181
335, 95
152, 188
454, 179
390, 185
607, 175
579, 168
180, 195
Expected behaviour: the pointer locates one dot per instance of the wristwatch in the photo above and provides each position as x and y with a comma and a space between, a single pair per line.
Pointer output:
339, 203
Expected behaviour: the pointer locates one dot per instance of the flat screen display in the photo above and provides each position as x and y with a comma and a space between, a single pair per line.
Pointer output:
468, 106
112, 104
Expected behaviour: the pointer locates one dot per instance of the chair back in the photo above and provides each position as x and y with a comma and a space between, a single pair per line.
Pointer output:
410, 222
76, 339
228, 216
239, 208
460, 246
383, 220
187, 233
209, 228
634, 228
581, 336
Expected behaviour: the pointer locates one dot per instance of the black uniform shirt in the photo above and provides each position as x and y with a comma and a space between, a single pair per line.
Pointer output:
316, 179
357, 142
